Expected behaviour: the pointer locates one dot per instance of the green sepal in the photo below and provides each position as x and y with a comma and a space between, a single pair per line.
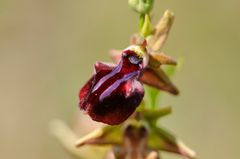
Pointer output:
108, 135
161, 139
153, 115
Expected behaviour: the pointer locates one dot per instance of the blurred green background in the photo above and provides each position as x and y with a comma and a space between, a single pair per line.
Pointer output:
48, 47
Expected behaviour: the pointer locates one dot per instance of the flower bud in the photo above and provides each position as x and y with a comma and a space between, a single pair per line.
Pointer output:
141, 6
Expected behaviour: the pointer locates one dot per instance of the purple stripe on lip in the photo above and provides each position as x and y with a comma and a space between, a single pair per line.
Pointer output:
104, 79
115, 85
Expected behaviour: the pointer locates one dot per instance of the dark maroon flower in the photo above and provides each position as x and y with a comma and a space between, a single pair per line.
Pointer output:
113, 92
152, 74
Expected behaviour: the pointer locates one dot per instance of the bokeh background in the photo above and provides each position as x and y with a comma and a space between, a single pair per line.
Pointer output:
48, 47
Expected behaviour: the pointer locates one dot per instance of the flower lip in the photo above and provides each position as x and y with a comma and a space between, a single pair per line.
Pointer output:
114, 92
115, 85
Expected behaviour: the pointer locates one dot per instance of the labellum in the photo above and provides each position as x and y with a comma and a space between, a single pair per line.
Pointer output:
113, 92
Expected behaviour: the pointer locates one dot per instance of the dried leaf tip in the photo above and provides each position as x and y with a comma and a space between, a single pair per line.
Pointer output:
161, 31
